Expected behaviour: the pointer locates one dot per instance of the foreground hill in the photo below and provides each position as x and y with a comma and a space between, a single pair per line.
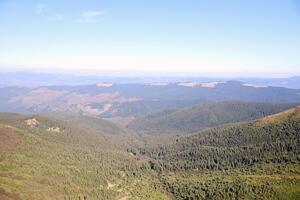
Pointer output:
256, 160
204, 115
115, 100
55, 158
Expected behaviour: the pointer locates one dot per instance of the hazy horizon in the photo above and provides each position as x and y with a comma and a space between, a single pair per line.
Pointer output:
132, 74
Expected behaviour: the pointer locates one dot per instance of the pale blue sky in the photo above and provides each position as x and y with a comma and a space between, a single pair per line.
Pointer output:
201, 36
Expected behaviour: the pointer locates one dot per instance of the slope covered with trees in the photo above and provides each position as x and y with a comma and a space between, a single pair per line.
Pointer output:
204, 115
58, 157
55, 158
254, 160
274, 139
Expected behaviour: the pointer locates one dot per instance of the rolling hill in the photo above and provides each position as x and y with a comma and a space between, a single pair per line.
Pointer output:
204, 115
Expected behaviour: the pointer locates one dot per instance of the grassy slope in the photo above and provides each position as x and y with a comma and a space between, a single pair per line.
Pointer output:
204, 115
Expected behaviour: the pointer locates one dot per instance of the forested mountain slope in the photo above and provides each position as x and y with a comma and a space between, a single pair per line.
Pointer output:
85, 158
253, 160
274, 139
204, 115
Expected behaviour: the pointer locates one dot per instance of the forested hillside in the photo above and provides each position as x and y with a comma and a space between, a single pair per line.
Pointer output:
274, 139
55, 158
204, 115
256, 160
69, 157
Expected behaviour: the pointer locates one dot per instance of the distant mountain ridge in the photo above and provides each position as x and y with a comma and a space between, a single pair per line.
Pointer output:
113, 100
34, 79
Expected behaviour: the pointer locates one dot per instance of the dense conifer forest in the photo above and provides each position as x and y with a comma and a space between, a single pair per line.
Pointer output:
71, 157
204, 115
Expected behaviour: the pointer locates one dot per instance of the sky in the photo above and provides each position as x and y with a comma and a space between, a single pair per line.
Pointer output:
232, 37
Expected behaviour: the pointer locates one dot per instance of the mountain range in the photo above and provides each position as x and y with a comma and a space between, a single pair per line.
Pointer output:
167, 140
127, 100
37, 79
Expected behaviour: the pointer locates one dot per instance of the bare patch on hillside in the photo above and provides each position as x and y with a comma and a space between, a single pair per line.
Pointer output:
110, 185
32, 122
254, 85
54, 129
195, 84
75, 98
189, 84
38, 98
209, 84
8, 139
104, 85
94, 112
82, 103
157, 84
